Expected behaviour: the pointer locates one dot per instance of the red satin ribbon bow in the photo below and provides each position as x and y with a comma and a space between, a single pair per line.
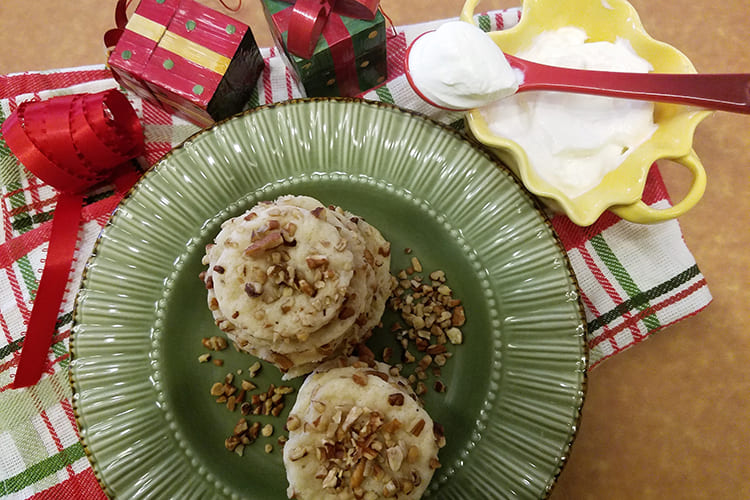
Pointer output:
72, 143
309, 17
121, 20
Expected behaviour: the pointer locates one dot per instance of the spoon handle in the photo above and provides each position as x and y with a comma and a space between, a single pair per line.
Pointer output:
725, 92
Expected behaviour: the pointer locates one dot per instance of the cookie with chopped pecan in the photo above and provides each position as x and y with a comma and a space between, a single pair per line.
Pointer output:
357, 431
296, 282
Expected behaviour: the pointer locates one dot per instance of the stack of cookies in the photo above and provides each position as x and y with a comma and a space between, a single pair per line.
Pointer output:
296, 282
358, 431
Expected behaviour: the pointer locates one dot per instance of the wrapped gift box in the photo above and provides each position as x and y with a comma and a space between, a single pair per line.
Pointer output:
196, 62
348, 58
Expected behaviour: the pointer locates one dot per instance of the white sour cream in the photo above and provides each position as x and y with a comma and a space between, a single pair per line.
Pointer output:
573, 140
458, 66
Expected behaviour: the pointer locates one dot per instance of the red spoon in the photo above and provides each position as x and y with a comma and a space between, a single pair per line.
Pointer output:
725, 92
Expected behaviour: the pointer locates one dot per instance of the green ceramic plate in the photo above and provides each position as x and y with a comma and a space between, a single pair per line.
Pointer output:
515, 387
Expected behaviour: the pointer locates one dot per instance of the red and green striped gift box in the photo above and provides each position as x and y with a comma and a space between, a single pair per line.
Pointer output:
349, 57
196, 62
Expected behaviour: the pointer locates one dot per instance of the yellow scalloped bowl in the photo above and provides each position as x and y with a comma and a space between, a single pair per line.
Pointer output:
620, 191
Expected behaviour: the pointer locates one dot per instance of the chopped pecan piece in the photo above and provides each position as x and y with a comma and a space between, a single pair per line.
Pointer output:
253, 289
270, 240
283, 362
417, 428
297, 453
396, 399
359, 378
316, 261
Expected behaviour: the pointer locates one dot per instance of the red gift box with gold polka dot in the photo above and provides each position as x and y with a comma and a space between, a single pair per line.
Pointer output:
196, 62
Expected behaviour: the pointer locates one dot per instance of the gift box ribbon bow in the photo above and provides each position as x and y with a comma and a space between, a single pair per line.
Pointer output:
72, 143
309, 17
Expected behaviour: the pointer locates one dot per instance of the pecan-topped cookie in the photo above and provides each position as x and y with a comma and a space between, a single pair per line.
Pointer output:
279, 272
357, 431
296, 282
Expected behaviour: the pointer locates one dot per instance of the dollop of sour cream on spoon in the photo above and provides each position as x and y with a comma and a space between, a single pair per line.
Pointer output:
458, 66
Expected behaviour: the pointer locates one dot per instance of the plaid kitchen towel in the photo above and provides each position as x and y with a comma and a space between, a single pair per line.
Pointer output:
634, 279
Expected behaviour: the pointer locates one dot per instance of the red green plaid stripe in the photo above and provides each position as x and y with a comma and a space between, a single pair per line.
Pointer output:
42, 433
19, 83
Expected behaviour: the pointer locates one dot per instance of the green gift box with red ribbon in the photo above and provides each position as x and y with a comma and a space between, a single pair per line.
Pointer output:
332, 48
196, 62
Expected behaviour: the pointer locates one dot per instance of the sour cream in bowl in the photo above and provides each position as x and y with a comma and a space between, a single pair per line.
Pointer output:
582, 154
573, 140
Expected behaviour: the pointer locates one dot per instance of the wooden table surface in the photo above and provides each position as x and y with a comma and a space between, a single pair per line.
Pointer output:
670, 417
